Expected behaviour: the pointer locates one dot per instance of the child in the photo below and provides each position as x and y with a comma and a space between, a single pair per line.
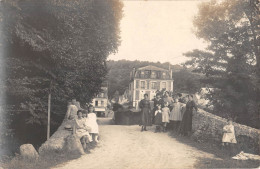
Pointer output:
229, 138
158, 118
165, 115
92, 123
82, 130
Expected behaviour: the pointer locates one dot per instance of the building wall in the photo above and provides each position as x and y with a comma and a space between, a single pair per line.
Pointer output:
141, 86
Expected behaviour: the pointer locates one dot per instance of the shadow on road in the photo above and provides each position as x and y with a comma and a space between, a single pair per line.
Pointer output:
223, 158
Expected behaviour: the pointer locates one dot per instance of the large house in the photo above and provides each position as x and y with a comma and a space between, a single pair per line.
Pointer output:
100, 102
148, 80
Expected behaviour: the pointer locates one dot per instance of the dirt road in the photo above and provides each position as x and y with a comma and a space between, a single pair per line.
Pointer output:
126, 147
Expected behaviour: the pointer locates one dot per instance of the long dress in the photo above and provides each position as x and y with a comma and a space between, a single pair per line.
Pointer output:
176, 114
92, 123
229, 134
186, 124
158, 117
165, 114
145, 113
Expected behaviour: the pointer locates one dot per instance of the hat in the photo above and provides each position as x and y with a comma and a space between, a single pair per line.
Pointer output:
67, 126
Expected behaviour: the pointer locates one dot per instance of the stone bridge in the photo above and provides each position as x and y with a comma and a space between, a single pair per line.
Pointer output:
126, 146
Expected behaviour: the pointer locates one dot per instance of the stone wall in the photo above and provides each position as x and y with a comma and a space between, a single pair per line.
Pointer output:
209, 127
56, 142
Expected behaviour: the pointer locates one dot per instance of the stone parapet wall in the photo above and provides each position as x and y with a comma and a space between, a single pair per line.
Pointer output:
209, 127
56, 142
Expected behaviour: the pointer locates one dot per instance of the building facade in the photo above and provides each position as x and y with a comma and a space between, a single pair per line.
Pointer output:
148, 80
100, 102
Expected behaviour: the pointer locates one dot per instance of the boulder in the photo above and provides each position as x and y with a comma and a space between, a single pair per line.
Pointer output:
73, 145
27, 151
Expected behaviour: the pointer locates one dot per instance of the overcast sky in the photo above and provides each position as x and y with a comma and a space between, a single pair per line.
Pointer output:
157, 31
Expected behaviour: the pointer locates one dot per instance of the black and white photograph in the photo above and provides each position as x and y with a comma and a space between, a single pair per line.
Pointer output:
129, 84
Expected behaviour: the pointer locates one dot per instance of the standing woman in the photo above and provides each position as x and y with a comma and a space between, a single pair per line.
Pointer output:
145, 112
186, 125
176, 115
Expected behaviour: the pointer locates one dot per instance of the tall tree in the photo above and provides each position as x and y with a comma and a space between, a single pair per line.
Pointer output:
55, 46
231, 61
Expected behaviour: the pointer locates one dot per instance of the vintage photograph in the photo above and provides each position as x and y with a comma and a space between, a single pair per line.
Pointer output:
129, 84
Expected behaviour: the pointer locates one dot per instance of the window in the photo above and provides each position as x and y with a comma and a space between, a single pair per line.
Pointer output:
147, 73
142, 74
102, 103
164, 75
142, 84
153, 85
96, 103
163, 85
137, 84
153, 75
158, 74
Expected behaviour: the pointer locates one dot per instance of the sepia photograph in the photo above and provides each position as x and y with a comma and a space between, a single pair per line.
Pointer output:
129, 84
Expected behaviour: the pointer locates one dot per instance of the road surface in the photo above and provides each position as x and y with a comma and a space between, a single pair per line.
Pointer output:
126, 147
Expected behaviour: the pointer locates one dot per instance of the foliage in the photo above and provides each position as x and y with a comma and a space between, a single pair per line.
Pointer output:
187, 82
231, 61
58, 47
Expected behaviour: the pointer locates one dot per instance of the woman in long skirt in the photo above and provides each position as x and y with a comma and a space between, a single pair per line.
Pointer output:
145, 112
176, 115
186, 124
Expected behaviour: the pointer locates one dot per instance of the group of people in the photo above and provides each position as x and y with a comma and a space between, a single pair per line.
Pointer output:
168, 113
85, 122
172, 114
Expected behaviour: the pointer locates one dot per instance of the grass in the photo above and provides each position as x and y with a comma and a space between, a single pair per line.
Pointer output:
45, 161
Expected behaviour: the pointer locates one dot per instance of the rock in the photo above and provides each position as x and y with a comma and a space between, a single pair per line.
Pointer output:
27, 151
73, 145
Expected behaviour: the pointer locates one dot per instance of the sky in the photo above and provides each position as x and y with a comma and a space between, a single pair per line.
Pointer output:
157, 31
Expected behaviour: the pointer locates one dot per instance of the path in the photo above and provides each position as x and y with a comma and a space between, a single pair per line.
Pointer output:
126, 147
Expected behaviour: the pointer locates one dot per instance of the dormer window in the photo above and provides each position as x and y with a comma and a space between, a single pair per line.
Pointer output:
164, 75
153, 75
142, 74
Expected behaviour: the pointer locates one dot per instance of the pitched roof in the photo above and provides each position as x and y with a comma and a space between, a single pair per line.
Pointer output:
151, 67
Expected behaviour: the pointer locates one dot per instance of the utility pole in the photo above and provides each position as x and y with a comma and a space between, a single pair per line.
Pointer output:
49, 116
49, 112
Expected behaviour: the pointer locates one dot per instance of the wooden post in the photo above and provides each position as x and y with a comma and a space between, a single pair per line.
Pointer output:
49, 116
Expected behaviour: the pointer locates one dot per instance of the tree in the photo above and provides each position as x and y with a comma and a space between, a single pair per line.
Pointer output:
55, 46
231, 61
